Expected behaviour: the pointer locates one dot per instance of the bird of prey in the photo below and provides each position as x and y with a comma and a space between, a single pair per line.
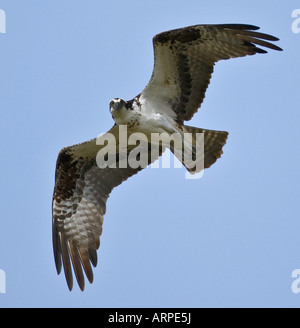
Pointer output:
184, 60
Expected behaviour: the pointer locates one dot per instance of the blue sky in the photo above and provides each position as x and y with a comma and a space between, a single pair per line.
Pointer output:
229, 239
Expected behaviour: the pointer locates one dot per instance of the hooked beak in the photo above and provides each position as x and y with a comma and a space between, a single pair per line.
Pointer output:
117, 106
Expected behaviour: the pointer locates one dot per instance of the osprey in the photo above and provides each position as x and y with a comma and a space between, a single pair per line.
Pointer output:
183, 64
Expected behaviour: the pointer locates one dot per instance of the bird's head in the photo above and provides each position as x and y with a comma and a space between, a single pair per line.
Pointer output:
117, 104
121, 111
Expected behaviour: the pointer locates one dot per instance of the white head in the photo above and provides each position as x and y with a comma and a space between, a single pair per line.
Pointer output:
117, 104
120, 111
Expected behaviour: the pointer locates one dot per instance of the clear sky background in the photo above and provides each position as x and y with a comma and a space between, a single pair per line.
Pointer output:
229, 239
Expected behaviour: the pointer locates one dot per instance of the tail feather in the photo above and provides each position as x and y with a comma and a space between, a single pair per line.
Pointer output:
213, 144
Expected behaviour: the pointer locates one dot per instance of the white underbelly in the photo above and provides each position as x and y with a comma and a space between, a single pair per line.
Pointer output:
156, 123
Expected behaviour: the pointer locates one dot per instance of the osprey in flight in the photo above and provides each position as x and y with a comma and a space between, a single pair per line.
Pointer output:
184, 60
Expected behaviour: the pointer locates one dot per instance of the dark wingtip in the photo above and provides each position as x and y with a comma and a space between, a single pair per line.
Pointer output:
261, 51
81, 286
93, 257
252, 27
240, 27
70, 284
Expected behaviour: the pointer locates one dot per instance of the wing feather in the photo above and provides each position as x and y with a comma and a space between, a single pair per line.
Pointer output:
79, 204
185, 59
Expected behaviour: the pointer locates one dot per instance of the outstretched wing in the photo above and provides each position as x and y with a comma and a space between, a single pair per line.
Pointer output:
184, 60
79, 202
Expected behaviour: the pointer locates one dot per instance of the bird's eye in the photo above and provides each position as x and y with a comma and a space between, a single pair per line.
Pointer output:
111, 103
